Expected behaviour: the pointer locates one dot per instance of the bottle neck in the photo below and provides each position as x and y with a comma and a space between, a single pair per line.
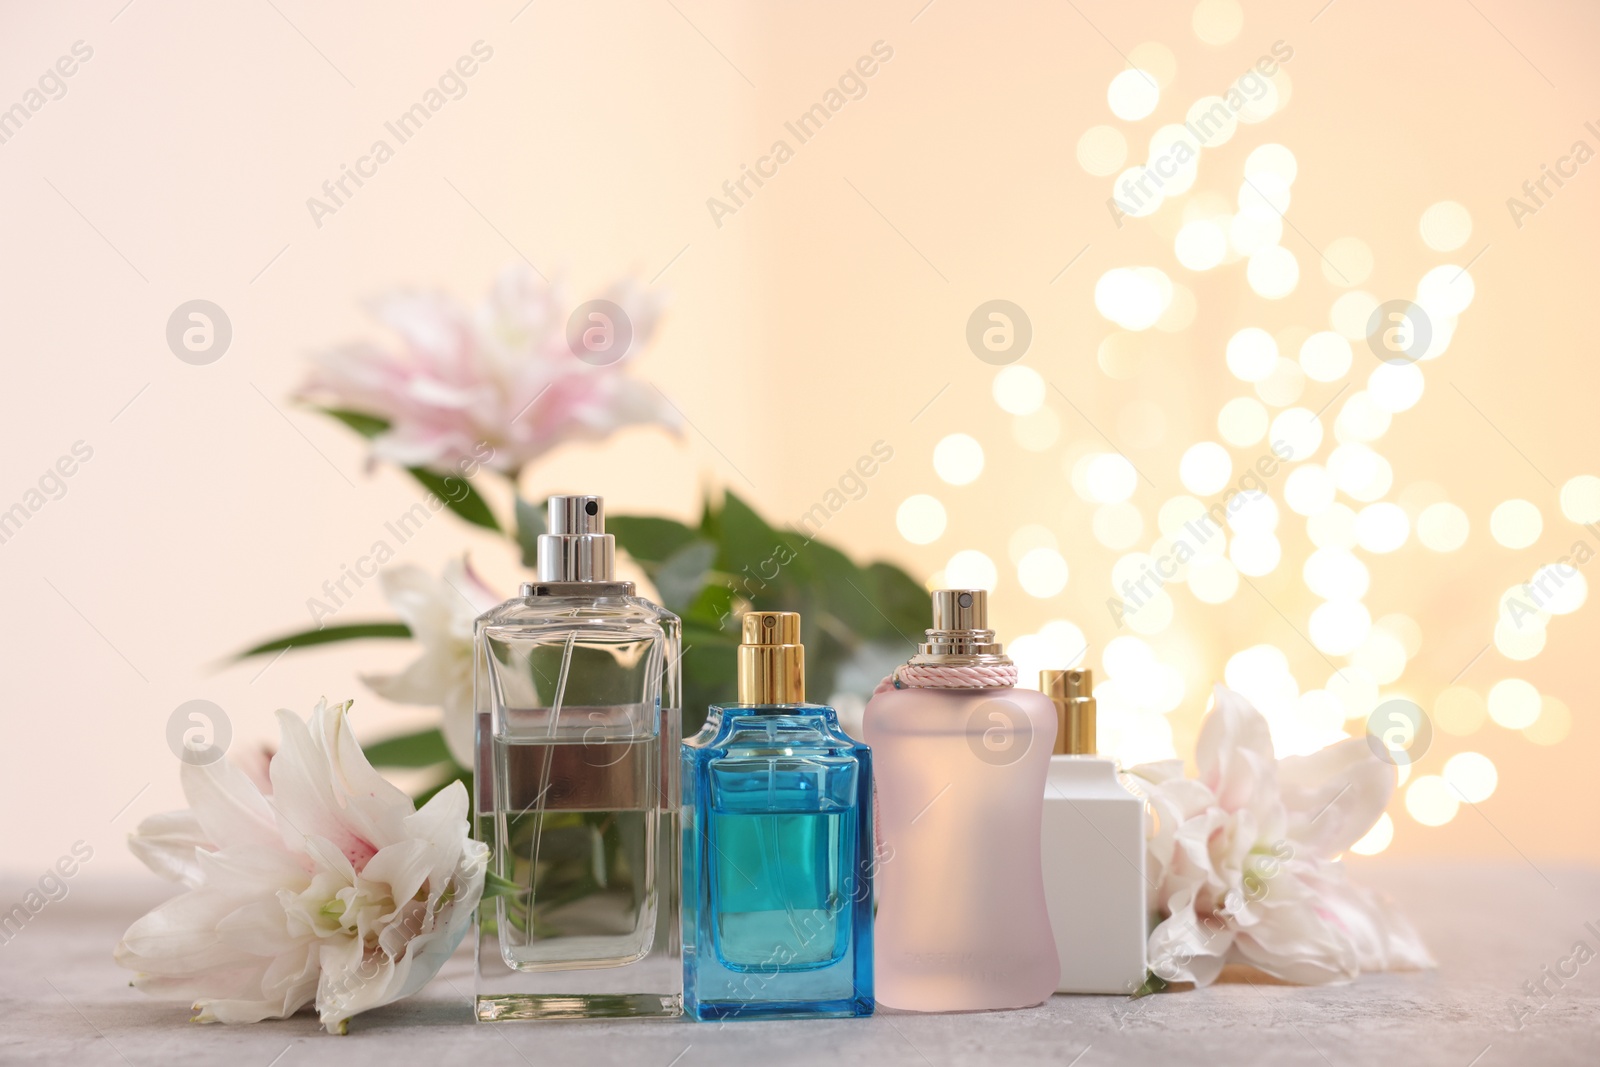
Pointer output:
958, 676
724, 721
584, 590
760, 710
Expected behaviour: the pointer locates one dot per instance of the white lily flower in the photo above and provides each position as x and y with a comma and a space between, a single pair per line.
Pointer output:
440, 612
1244, 860
334, 889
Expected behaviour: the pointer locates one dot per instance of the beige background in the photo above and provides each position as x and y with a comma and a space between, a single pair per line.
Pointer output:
816, 320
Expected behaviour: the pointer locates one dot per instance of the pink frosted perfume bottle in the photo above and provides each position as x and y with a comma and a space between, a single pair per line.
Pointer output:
961, 757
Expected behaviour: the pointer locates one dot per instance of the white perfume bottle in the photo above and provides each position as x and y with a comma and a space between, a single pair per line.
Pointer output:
1093, 843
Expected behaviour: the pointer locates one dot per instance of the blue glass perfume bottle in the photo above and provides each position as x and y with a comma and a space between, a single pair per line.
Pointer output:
777, 847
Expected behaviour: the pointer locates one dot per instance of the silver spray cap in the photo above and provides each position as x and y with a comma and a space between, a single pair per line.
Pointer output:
576, 547
960, 634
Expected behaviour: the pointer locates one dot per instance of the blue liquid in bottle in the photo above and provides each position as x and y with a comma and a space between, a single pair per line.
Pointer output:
777, 865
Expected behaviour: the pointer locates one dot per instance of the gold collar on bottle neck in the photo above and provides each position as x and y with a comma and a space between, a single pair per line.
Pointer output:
772, 661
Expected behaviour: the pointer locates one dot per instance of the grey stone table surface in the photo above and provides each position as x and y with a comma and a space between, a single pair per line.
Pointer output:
1492, 928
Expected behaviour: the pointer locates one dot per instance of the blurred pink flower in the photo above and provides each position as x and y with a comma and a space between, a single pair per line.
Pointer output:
1244, 860
503, 377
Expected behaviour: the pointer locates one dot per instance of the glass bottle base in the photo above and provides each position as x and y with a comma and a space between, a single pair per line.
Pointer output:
505, 1007
718, 1011
647, 988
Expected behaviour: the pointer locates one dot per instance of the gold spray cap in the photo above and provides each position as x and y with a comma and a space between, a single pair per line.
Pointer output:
1072, 692
772, 661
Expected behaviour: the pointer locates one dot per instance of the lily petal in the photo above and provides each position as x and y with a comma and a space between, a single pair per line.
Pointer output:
1335, 795
227, 806
167, 843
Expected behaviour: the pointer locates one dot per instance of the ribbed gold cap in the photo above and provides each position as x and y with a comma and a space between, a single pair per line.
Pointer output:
772, 661
1072, 692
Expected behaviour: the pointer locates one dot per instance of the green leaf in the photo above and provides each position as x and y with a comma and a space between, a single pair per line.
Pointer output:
366, 425
856, 615
711, 611
647, 538
495, 885
1153, 983
682, 575
425, 749
709, 519
847, 596
748, 543
459, 497
530, 524
456, 492
350, 632
707, 637
902, 601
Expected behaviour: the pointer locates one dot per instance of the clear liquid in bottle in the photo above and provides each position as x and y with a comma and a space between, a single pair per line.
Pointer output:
577, 693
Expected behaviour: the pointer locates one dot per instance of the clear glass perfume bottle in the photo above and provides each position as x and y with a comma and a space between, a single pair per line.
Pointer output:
578, 727
1093, 849
777, 846
961, 756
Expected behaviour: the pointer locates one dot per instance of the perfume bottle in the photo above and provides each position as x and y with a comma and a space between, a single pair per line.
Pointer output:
777, 857
578, 723
1093, 848
961, 756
